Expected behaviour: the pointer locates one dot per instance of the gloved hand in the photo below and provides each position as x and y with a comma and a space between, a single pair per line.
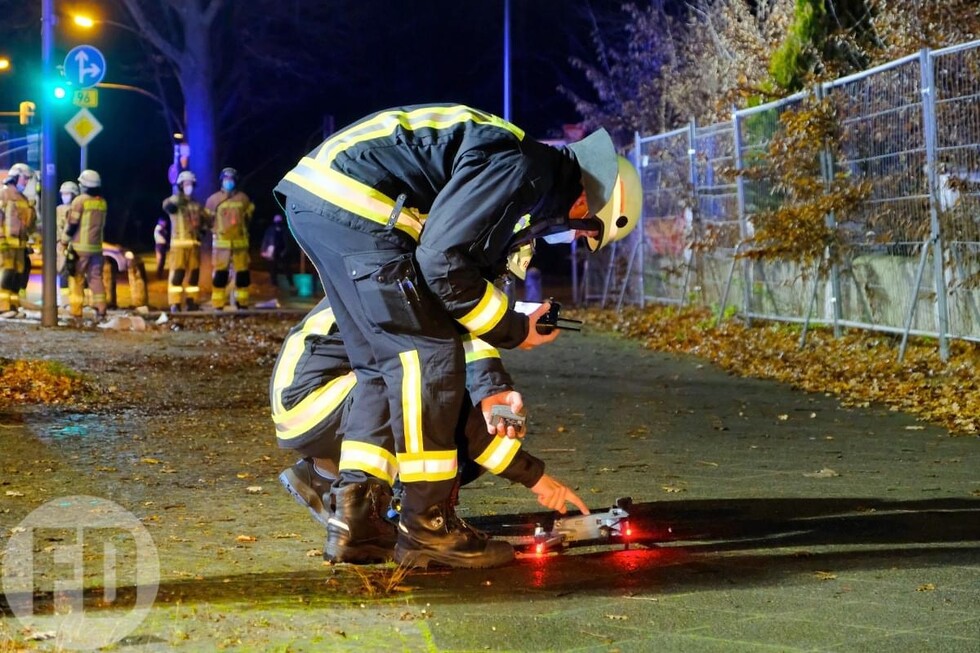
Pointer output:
513, 400
553, 494
170, 207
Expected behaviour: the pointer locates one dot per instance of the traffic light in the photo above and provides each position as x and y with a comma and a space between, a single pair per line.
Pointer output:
59, 92
26, 112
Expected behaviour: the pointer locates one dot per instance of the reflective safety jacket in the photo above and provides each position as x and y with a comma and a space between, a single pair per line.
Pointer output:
229, 214
17, 218
88, 213
185, 220
457, 181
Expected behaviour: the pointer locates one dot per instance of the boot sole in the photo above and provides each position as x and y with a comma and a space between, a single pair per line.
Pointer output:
308, 500
422, 559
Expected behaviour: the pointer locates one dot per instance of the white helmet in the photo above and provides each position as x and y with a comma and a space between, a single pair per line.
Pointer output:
90, 179
20, 170
621, 213
69, 187
186, 175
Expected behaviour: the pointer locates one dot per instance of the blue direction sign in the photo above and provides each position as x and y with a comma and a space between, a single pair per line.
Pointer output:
84, 66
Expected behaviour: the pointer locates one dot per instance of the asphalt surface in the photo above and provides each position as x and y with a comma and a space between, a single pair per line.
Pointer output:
763, 519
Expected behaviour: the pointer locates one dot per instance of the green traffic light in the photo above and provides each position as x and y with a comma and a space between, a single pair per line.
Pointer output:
60, 93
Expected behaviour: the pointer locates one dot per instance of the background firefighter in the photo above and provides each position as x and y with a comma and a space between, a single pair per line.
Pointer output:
408, 215
83, 233
229, 212
18, 219
185, 245
69, 191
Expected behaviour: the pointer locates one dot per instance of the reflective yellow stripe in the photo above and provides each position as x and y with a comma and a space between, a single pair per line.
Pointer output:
315, 408
476, 349
369, 459
488, 313
184, 243
351, 195
498, 454
292, 349
385, 124
412, 401
430, 466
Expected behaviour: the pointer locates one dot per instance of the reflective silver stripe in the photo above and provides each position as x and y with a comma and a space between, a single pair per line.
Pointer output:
351, 195
430, 466
487, 313
315, 408
385, 124
476, 349
498, 454
412, 401
368, 458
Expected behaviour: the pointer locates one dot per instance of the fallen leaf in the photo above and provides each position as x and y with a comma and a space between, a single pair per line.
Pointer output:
926, 587
314, 553
782, 418
826, 472
617, 617
254, 489
14, 493
149, 461
825, 575
672, 489
246, 538
915, 427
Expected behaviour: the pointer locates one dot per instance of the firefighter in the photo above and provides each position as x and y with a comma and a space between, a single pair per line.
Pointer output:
18, 220
69, 191
185, 244
408, 216
83, 234
310, 393
229, 212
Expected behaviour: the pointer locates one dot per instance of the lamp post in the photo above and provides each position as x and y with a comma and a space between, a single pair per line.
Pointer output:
49, 173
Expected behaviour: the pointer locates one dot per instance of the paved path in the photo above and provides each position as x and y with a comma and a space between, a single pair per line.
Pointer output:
783, 521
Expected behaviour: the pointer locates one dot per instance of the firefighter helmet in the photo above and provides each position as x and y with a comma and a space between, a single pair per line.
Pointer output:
227, 173
186, 175
20, 170
69, 187
621, 213
90, 179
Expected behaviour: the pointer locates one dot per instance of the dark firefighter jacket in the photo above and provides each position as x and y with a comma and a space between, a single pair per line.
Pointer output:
467, 177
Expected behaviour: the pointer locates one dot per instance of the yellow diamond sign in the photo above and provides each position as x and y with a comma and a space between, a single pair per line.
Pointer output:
83, 127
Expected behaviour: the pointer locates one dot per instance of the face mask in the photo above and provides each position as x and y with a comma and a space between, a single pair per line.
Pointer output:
561, 238
66, 198
188, 189
227, 185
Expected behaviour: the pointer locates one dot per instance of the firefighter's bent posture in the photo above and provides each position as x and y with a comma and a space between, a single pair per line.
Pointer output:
185, 244
83, 233
408, 215
229, 211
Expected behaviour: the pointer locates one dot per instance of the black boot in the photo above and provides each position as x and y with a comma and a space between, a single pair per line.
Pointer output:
438, 536
358, 531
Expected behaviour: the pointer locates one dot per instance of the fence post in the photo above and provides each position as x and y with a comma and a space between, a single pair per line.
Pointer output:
743, 226
827, 170
939, 252
695, 212
640, 225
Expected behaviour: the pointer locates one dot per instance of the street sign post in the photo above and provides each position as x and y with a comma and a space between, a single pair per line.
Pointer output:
84, 66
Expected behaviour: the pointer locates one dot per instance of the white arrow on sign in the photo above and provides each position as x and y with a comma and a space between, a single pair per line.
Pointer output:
81, 57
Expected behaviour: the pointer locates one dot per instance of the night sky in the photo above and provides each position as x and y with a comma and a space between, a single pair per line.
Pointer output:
453, 53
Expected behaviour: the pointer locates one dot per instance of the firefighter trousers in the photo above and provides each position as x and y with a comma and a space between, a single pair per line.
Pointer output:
404, 349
